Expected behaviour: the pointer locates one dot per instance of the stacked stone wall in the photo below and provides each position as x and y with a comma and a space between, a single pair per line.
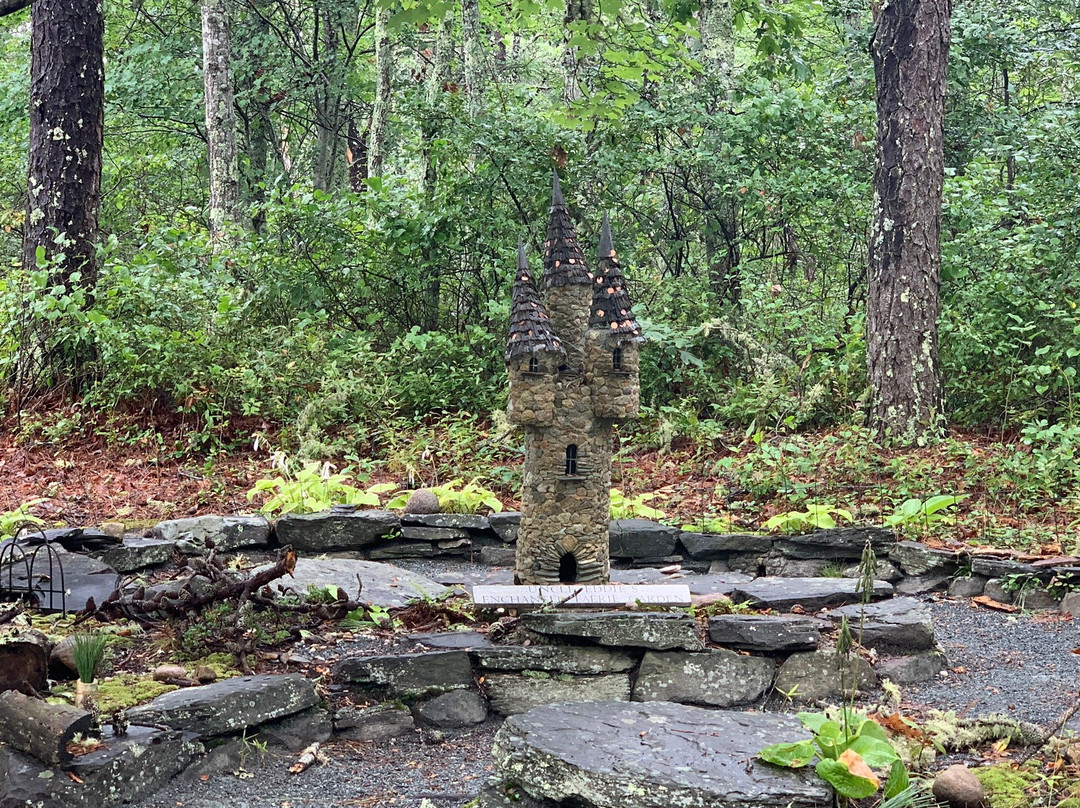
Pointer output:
615, 393
532, 395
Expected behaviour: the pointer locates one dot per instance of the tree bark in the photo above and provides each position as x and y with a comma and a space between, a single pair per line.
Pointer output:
429, 126
910, 50
473, 48
380, 111
67, 124
220, 117
41, 729
329, 92
576, 11
11, 6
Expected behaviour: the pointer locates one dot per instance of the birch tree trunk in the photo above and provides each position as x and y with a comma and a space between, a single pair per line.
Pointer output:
473, 47
910, 50
429, 130
576, 11
67, 124
220, 117
380, 111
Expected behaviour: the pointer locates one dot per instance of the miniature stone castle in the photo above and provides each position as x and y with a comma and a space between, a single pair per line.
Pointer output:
572, 359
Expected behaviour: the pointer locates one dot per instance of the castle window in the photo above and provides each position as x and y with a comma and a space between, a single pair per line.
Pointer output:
534, 365
616, 359
571, 469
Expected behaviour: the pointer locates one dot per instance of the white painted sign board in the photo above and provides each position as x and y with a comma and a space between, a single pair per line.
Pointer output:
584, 595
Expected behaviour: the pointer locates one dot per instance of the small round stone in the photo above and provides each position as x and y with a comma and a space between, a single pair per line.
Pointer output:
422, 501
957, 787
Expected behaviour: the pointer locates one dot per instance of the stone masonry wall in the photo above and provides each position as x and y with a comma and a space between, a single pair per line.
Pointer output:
615, 393
532, 395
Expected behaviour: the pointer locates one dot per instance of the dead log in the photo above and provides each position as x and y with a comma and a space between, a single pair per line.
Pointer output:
24, 661
41, 729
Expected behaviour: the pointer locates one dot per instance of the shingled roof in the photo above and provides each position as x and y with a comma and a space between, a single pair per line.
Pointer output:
611, 302
530, 327
564, 263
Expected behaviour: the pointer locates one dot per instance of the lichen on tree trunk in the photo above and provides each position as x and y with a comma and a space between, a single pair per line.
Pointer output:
380, 110
910, 51
220, 116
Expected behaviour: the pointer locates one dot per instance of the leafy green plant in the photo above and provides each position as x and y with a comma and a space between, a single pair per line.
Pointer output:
834, 569
457, 497
710, 524
847, 751
314, 488
924, 512
816, 517
370, 616
11, 521
624, 507
88, 651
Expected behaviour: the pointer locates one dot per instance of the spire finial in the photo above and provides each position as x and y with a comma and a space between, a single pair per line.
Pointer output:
605, 250
523, 262
557, 200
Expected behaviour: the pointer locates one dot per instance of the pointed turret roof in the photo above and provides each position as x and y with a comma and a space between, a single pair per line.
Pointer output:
530, 327
611, 302
564, 263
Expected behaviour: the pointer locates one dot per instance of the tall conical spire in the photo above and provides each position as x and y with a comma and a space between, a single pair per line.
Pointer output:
611, 309
530, 327
564, 263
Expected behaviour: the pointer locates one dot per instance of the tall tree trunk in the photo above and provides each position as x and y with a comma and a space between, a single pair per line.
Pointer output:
220, 116
473, 47
576, 11
356, 157
911, 50
429, 129
67, 124
328, 97
380, 110
259, 142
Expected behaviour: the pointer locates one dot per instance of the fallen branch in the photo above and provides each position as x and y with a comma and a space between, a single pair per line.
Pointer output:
308, 755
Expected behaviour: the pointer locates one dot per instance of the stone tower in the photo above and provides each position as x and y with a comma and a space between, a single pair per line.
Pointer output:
573, 368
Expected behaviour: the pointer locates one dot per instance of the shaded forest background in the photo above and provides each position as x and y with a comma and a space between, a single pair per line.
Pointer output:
345, 308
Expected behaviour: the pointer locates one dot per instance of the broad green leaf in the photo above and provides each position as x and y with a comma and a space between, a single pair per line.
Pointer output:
791, 755
898, 780
846, 784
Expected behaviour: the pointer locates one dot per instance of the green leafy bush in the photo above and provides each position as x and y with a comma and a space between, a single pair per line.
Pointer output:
624, 507
457, 497
315, 487
815, 517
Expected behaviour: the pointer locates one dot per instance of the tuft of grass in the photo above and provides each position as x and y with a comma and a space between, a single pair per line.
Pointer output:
89, 651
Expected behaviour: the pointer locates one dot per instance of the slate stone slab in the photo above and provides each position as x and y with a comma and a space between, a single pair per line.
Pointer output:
816, 675
712, 546
837, 543
83, 578
967, 587
897, 624
229, 705
136, 554
722, 583
404, 549
652, 755
295, 732
918, 559
72, 539
513, 693
461, 521
767, 633
498, 556
453, 710
1003, 568
335, 530
912, 669
383, 584
641, 538
451, 640
406, 675
376, 723
715, 678
506, 525
922, 584
660, 631
226, 532
809, 593
130, 768
560, 658
571, 595
433, 533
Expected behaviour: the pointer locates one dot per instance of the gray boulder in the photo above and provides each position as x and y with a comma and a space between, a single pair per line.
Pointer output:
809, 593
918, 559
967, 587
226, 533
715, 678
641, 538
296, 732
377, 723
335, 529
771, 634
912, 669
822, 675
661, 631
957, 787
137, 553
899, 624
651, 755
453, 710
506, 525
230, 705
407, 675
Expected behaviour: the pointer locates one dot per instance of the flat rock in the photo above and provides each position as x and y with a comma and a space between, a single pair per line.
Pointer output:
922, 584
767, 633
406, 675
230, 705
652, 755
137, 553
129, 768
382, 584
918, 559
660, 631
83, 578
716, 678
559, 658
459, 521
719, 583
506, 525
72, 539
912, 669
898, 624
969, 586
837, 543
453, 710
498, 556
513, 693
403, 549
226, 533
1002, 568
572, 596
376, 723
641, 538
816, 675
450, 640
809, 593
422, 533
712, 546
296, 732
335, 530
